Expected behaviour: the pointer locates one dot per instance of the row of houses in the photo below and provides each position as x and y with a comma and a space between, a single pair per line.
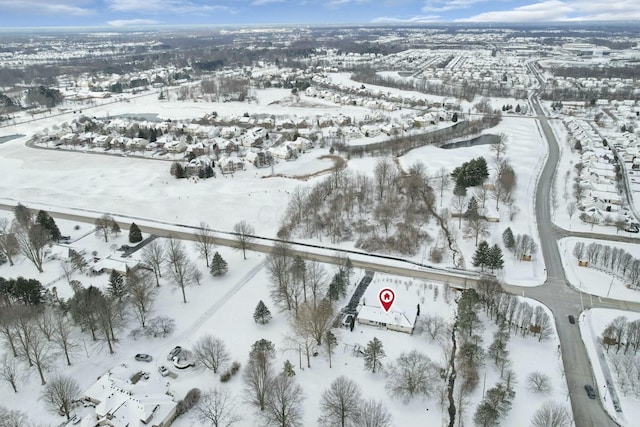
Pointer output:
601, 200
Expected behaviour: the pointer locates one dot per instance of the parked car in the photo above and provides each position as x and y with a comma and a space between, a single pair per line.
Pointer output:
572, 319
163, 370
141, 357
590, 391
174, 353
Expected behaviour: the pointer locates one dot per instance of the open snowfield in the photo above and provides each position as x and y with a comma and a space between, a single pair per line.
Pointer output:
595, 281
526, 153
592, 323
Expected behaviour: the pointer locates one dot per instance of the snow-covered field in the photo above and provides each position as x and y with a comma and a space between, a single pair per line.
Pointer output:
526, 153
595, 281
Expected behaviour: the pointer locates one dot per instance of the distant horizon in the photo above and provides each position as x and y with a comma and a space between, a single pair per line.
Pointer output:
474, 25
134, 14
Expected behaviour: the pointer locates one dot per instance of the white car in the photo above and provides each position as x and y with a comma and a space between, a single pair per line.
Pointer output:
163, 370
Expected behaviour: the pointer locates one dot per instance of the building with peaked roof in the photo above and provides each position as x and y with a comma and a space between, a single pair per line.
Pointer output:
393, 320
121, 403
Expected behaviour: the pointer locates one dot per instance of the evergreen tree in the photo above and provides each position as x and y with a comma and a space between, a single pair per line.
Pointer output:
287, 369
481, 256
459, 190
494, 258
337, 287
49, 224
218, 265
262, 314
472, 209
373, 354
135, 235
116, 285
508, 239
53, 229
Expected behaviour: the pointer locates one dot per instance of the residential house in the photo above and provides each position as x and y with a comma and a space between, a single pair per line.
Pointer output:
259, 159
230, 164
122, 397
391, 320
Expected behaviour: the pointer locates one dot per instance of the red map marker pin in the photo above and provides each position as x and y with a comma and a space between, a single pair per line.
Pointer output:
386, 297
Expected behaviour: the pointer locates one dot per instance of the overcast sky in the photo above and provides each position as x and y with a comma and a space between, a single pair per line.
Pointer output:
121, 13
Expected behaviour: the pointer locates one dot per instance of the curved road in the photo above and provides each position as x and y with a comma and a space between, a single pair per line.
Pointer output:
561, 298
555, 293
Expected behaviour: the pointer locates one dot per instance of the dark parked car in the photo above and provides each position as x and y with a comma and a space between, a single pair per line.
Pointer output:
141, 357
590, 391
572, 319
174, 353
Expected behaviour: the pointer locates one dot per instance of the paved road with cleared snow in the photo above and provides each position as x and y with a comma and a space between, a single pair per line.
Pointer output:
562, 299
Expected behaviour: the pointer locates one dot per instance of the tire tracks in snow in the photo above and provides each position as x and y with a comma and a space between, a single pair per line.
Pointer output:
196, 324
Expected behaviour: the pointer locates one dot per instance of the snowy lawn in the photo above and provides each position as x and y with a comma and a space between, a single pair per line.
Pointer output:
595, 281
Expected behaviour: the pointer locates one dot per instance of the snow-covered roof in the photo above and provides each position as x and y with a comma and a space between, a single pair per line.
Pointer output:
391, 317
129, 404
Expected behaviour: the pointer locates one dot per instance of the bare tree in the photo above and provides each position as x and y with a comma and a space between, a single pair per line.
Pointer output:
211, 352
143, 293
32, 242
443, 179
459, 204
435, 326
153, 254
217, 408
551, 415
39, 352
59, 394
499, 148
104, 226
11, 418
341, 404
374, 414
302, 340
284, 403
316, 320
538, 382
180, 267
244, 235
279, 263
10, 371
205, 241
258, 374
385, 174
412, 375
8, 243
8, 317
475, 227
63, 335
68, 269
316, 280
482, 195
45, 321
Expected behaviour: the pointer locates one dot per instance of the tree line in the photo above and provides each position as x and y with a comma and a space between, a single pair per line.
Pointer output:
613, 260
